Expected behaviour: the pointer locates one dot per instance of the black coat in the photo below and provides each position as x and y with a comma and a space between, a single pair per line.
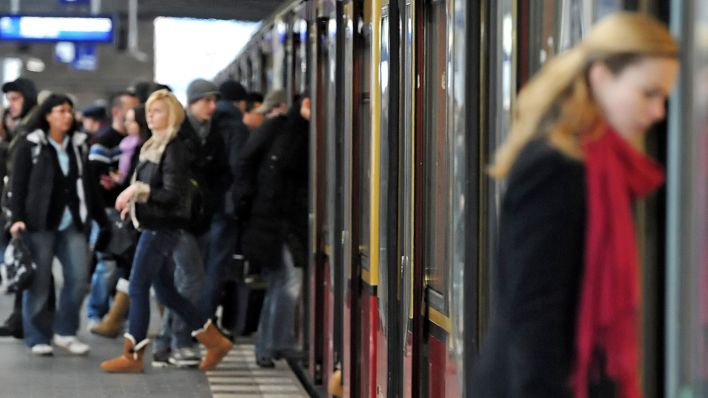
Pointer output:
168, 206
528, 349
228, 120
40, 192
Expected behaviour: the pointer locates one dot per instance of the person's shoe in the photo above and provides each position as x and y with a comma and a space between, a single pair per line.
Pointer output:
161, 359
71, 344
185, 357
264, 362
131, 361
112, 324
216, 344
42, 350
13, 326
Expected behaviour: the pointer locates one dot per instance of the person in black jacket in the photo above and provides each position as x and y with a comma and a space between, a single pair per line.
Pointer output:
594, 99
53, 199
275, 189
158, 202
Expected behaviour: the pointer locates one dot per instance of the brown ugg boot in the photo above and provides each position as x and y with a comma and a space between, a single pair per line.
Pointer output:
131, 361
216, 344
112, 323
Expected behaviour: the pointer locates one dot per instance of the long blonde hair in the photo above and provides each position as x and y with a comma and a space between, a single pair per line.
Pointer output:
557, 102
154, 147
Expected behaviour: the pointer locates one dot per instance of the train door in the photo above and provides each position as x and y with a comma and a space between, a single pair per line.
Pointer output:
448, 155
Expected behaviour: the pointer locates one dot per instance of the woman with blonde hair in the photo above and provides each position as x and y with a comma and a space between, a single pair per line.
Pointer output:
158, 203
566, 290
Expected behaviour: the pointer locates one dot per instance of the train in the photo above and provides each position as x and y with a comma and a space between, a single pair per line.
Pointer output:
410, 99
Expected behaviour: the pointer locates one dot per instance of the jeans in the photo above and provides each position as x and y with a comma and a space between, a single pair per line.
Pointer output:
218, 249
188, 277
70, 246
103, 281
153, 265
276, 327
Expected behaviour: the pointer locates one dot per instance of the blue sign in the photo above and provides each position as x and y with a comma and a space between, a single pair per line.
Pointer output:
43, 28
84, 57
75, 1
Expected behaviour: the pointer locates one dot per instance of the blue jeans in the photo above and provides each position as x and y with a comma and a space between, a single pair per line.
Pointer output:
70, 246
218, 250
276, 327
188, 276
153, 265
103, 281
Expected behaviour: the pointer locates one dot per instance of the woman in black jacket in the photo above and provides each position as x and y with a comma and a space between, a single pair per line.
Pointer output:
52, 198
158, 203
566, 287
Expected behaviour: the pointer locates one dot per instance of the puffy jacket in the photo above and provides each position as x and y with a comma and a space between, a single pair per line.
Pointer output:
169, 200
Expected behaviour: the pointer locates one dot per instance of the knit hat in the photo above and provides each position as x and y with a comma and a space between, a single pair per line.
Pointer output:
272, 100
233, 91
200, 88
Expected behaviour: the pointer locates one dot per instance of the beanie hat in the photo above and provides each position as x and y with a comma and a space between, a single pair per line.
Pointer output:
233, 91
200, 88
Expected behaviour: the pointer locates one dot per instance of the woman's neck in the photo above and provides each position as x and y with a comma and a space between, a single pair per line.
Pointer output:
57, 136
160, 133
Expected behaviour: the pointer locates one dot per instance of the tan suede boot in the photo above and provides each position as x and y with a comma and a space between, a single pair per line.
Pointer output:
112, 323
216, 344
131, 361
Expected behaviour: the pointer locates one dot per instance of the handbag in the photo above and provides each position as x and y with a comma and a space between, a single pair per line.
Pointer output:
19, 266
124, 236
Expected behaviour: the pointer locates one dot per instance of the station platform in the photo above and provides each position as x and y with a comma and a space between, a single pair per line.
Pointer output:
23, 375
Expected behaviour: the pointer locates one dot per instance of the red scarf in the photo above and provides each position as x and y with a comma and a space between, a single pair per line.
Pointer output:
616, 174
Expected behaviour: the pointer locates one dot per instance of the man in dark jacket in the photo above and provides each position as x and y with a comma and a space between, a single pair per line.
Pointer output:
275, 183
225, 227
21, 96
211, 177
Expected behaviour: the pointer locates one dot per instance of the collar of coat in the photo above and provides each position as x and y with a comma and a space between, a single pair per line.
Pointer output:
77, 138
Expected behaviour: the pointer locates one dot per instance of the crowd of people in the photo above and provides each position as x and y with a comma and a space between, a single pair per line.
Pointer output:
147, 193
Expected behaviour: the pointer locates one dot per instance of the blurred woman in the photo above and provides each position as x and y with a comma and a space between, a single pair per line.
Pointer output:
52, 199
158, 203
567, 283
137, 133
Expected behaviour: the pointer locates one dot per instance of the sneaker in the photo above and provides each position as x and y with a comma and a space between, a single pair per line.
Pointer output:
71, 344
185, 357
161, 359
264, 362
43, 350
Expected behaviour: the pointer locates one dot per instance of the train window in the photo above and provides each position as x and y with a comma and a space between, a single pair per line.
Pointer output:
437, 160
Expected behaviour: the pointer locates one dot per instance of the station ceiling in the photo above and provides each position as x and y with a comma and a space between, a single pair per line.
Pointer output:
249, 10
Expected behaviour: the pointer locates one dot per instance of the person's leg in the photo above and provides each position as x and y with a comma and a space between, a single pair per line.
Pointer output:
103, 281
37, 318
222, 237
188, 278
286, 298
264, 334
71, 249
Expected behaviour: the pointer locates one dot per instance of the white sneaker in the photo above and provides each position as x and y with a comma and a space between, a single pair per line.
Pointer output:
43, 350
71, 344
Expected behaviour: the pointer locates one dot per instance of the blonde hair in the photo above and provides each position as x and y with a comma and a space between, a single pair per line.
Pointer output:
557, 101
154, 147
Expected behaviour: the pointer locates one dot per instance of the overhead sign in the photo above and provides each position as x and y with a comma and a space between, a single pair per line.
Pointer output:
85, 57
75, 1
46, 28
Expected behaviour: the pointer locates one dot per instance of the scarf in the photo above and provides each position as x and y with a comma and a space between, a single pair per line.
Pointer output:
154, 147
616, 174
127, 146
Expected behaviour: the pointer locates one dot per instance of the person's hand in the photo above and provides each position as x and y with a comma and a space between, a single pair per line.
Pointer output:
107, 182
124, 198
116, 176
17, 227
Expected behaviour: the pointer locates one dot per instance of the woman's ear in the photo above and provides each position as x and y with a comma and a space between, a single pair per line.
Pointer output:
598, 76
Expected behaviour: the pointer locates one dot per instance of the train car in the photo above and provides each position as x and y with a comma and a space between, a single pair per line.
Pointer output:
410, 100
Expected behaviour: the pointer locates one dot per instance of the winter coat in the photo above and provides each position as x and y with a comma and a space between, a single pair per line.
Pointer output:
529, 347
276, 160
168, 204
228, 120
40, 192
209, 169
